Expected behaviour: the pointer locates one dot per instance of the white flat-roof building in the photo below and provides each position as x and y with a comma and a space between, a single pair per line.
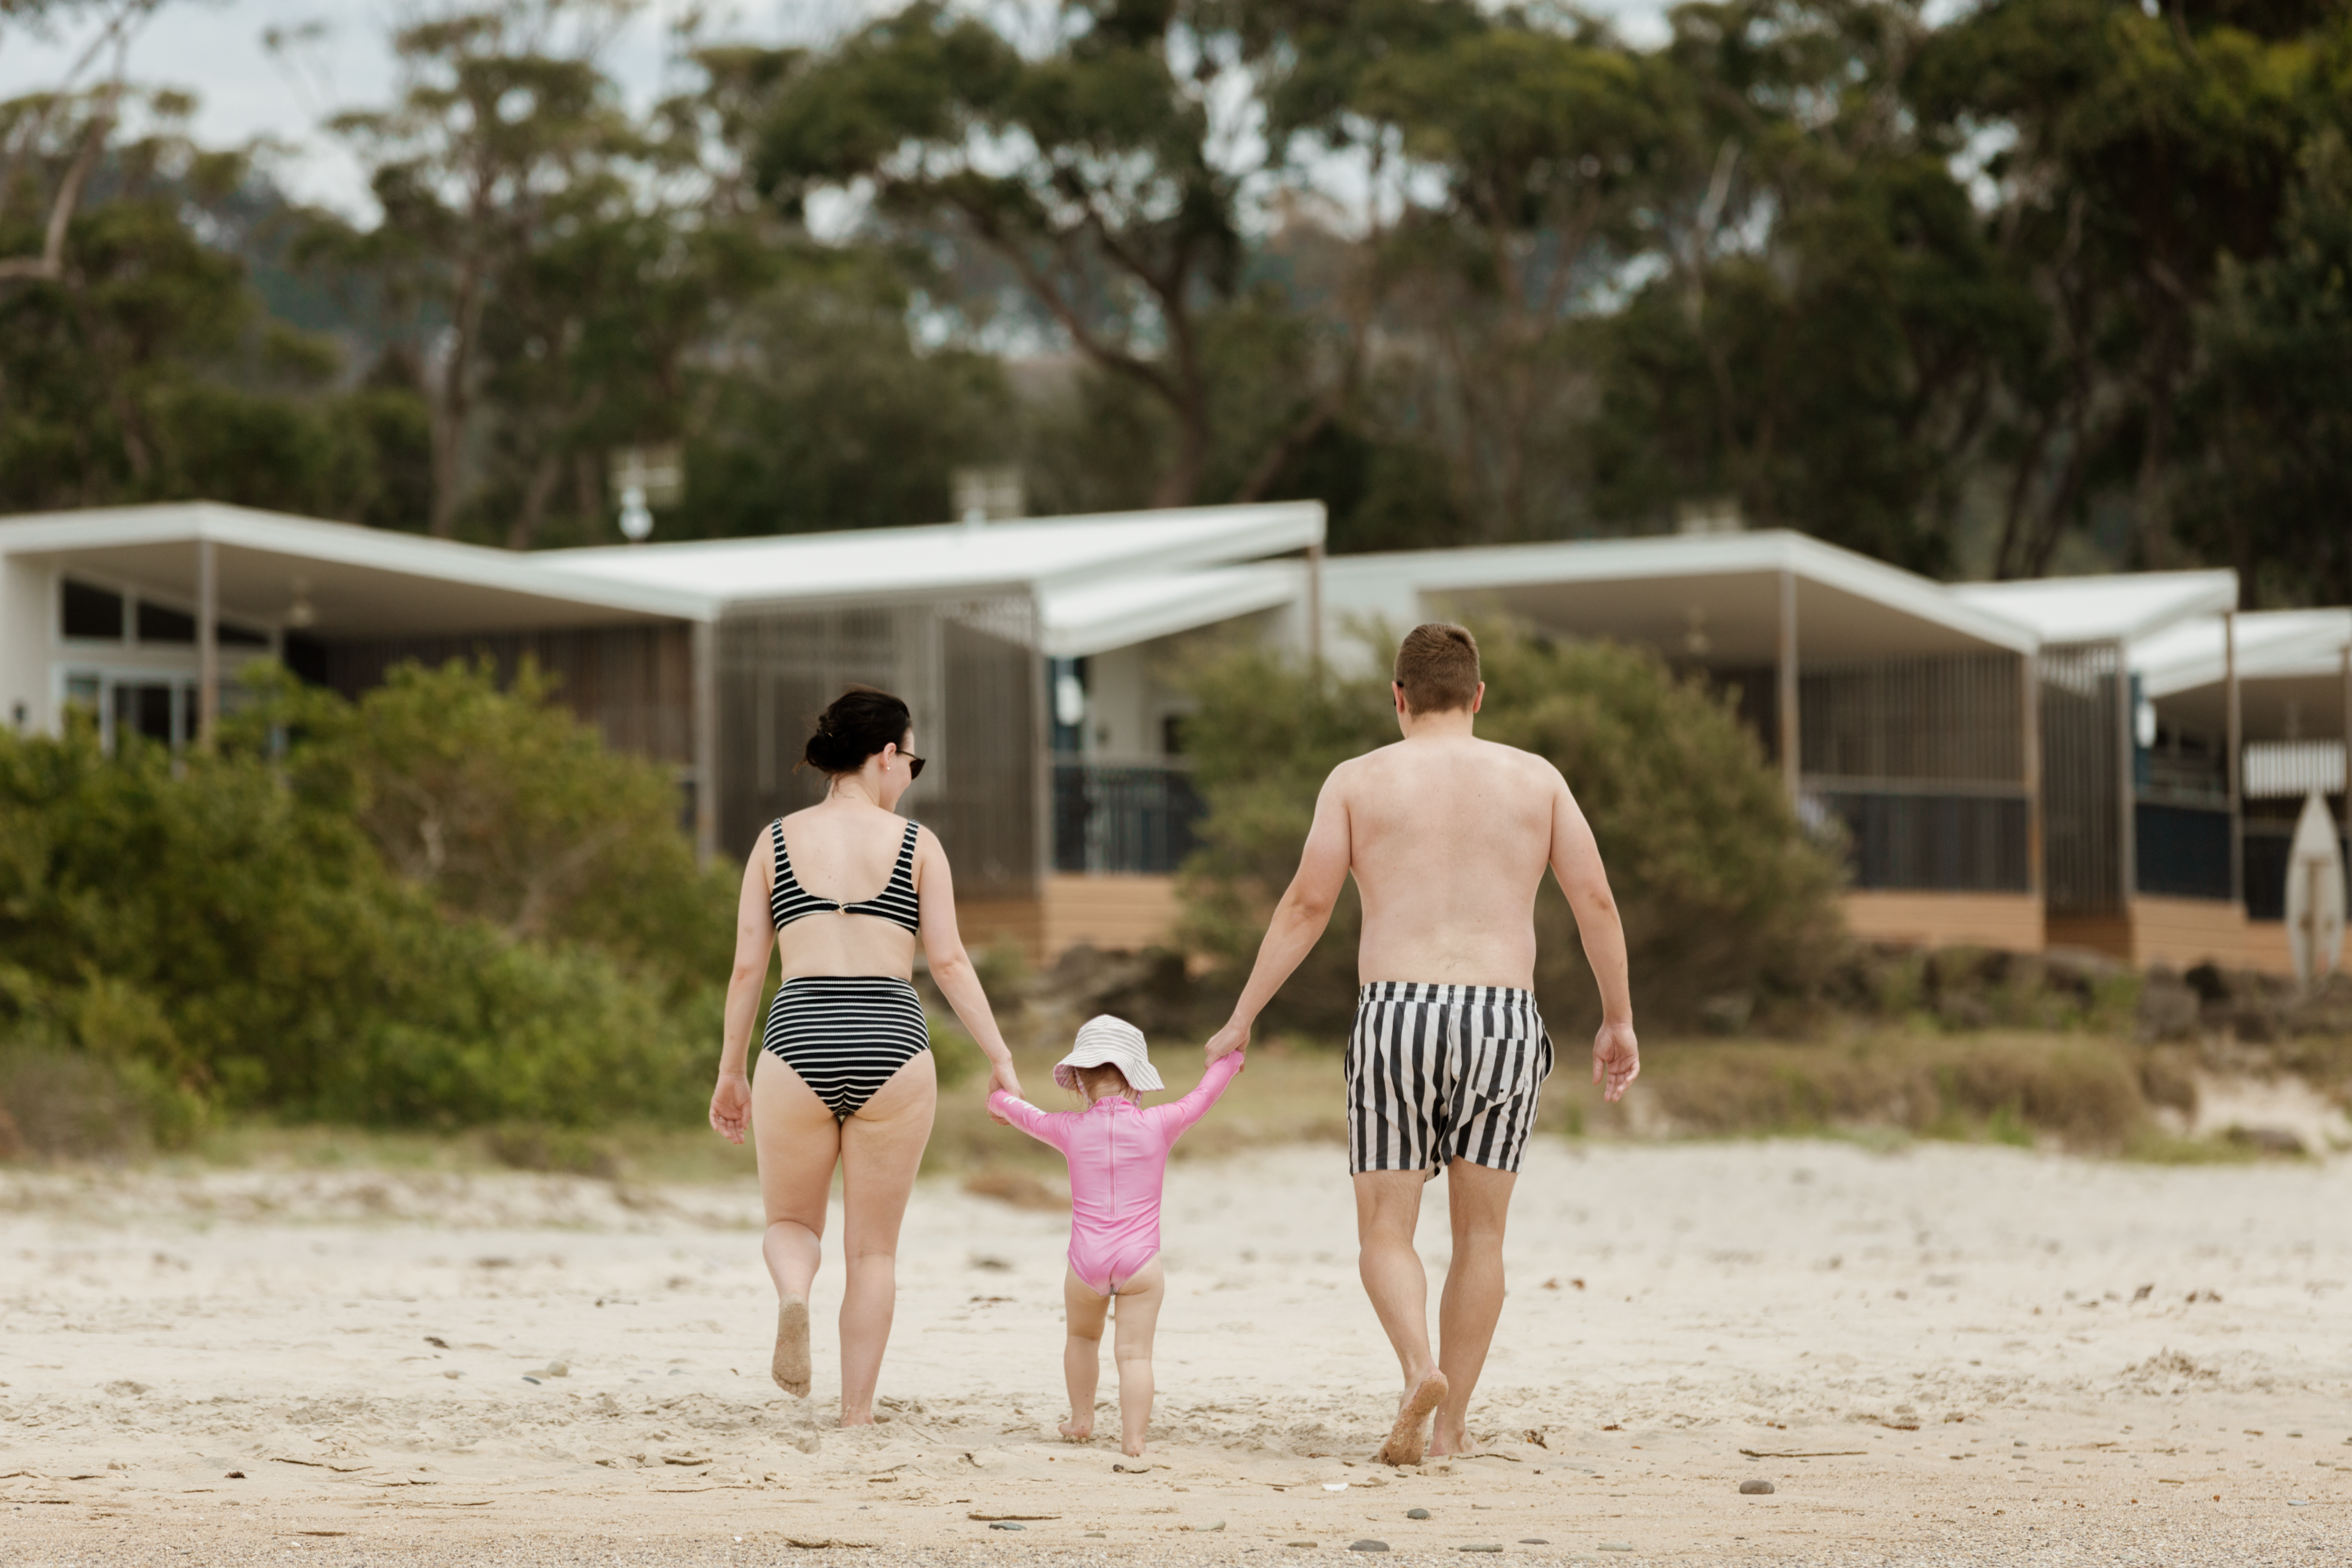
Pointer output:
1902, 712
1028, 652
2089, 761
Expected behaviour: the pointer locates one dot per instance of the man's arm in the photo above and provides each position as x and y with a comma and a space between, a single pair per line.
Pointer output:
1576, 861
1298, 918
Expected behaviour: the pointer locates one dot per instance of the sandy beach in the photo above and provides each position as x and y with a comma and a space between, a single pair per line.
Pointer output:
1940, 1353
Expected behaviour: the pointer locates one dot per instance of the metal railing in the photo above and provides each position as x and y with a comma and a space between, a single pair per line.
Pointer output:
2181, 852
1932, 840
1133, 819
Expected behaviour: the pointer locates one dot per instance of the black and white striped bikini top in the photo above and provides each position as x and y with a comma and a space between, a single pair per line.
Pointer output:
789, 901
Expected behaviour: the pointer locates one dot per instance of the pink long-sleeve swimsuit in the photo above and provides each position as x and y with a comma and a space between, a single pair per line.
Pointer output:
1118, 1154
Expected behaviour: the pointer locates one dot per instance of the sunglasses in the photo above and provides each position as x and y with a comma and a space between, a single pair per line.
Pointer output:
914, 765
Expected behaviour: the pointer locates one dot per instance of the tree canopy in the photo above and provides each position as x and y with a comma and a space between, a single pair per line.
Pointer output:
2034, 285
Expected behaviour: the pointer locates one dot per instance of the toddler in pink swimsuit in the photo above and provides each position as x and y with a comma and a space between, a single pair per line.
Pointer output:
1117, 1152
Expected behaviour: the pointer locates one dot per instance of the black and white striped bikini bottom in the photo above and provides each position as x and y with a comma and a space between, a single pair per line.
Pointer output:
845, 1035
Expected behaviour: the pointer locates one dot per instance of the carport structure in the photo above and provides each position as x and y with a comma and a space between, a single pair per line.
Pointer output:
145, 615
1906, 715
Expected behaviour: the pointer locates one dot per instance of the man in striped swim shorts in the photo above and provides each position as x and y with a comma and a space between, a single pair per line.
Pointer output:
1448, 837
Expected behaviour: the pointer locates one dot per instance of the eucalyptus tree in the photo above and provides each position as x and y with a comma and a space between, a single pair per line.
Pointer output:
2134, 150
1107, 164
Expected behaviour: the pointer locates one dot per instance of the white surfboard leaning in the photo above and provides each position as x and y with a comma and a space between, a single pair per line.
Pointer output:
2315, 894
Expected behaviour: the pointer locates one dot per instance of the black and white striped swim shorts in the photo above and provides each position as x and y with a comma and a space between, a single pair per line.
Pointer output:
1439, 1073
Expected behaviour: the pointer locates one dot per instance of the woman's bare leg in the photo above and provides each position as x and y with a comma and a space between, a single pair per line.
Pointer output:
1139, 1315
881, 1150
797, 1142
1081, 1351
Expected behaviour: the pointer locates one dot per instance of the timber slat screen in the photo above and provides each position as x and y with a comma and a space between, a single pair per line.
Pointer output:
635, 684
966, 667
2082, 849
1921, 762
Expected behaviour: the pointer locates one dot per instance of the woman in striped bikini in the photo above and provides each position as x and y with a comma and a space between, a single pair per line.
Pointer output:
850, 1082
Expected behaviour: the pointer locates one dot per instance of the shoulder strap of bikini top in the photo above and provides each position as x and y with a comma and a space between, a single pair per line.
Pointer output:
902, 874
784, 861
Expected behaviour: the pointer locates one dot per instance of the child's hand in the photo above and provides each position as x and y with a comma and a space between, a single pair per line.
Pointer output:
1004, 1077
730, 1106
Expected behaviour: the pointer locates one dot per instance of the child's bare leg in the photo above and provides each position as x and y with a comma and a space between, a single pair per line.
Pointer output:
1082, 1352
1138, 1314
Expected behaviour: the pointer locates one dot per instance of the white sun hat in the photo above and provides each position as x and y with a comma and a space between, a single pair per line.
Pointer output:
1105, 1041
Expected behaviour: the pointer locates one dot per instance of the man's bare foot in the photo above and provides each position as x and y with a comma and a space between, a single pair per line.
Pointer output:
1406, 1444
1077, 1431
790, 1367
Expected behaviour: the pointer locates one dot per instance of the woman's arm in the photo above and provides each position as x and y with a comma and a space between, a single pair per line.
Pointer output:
951, 969
730, 1102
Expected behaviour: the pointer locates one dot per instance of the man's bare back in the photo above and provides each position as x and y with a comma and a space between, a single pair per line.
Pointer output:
1448, 840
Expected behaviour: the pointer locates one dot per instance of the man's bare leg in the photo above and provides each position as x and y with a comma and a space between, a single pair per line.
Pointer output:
1388, 1206
1478, 1201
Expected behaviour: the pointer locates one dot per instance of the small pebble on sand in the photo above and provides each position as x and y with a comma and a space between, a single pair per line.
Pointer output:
1368, 1546
1755, 1487
1416, 1513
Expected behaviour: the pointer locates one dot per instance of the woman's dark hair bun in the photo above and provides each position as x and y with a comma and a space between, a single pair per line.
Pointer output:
860, 723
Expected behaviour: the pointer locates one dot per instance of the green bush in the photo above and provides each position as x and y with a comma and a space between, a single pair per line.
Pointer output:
257, 930
1728, 907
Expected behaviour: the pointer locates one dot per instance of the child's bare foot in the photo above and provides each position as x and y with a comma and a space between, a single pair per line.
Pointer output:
1078, 1431
1406, 1444
789, 1367
1134, 1447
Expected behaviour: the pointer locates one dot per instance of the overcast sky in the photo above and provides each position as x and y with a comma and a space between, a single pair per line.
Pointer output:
215, 48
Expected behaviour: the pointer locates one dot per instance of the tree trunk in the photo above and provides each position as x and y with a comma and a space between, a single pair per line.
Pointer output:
543, 476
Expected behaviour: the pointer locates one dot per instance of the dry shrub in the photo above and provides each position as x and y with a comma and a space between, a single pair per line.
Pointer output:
534, 1146
1019, 1188
67, 1105
2084, 1092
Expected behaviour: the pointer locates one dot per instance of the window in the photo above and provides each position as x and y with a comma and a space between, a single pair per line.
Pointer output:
1172, 735
230, 635
93, 613
157, 624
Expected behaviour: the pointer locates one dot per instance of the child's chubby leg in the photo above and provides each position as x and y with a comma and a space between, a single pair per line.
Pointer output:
1138, 1316
1082, 1352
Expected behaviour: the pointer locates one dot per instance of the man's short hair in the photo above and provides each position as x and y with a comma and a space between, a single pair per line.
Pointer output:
1437, 665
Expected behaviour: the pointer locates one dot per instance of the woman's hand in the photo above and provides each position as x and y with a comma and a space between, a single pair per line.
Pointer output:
1001, 1076
730, 1106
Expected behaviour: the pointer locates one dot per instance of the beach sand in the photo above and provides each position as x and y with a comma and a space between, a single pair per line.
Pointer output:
1940, 1353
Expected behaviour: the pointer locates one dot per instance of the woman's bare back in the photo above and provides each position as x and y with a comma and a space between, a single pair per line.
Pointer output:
844, 850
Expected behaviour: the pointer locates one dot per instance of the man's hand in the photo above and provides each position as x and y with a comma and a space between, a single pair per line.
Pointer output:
1616, 1060
1234, 1036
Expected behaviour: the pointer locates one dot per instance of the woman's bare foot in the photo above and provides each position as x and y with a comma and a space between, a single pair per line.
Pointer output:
1406, 1442
1078, 1429
789, 1367
1449, 1440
